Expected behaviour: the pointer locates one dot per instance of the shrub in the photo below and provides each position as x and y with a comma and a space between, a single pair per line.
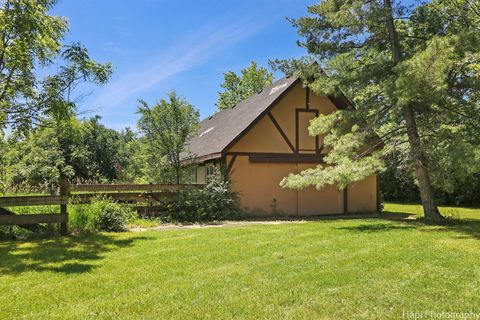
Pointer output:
13, 232
213, 202
102, 214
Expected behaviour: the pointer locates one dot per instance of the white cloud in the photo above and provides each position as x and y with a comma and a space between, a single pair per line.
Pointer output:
185, 54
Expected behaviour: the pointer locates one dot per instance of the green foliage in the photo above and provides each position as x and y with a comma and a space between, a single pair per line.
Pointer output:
346, 162
33, 159
10, 232
57, 145
111, 220
213, 202
147, 222
30, 39
129, 163
87, 152
154, 168
3, 162
436, 75
398, 185
239, 87
102, 214
57, 95
166, 127
101, 148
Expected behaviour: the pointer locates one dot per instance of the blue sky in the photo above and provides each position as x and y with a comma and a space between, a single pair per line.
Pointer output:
159, 45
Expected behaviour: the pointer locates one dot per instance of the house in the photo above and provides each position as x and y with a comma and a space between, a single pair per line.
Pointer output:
263, 139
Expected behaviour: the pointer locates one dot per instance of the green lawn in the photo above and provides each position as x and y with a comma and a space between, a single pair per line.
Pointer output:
452, 212
338, 269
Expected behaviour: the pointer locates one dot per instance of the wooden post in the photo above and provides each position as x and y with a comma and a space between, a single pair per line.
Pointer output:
149, 212
63, 207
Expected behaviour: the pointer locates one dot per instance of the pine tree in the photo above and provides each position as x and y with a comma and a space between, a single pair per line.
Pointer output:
412, 75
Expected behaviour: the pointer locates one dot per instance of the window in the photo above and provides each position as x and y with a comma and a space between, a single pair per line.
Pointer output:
210, 170
193, 176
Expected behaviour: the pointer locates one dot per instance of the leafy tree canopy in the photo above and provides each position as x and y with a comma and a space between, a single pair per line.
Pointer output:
166, 127
239, 87
29, 38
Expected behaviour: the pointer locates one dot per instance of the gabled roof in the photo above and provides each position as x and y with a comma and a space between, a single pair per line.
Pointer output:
218, 132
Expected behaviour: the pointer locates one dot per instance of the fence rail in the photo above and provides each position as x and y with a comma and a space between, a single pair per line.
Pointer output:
84, 193
125, 196
30, 219
28, 201
130, 187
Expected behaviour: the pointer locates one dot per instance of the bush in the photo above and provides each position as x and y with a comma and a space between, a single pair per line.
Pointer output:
102, 214
213, 202
13, 232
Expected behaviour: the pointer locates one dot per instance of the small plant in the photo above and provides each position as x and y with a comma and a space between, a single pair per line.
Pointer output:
102, 214
13, 232
111, 219
148, 222
275, 211
213, 202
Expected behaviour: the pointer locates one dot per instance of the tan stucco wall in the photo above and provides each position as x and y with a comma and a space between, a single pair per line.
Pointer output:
258, 186
328, 200
305, 140
260, 193
284, 111
362, 196
258, 183
263, 137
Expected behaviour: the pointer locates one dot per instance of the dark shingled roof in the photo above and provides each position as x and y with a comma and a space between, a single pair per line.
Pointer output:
216, 132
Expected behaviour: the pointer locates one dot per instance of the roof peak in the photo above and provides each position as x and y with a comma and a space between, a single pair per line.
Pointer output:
286, 78
219, 130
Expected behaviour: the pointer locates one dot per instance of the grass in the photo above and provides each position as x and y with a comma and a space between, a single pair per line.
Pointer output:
452, 212
369, 268
145, 223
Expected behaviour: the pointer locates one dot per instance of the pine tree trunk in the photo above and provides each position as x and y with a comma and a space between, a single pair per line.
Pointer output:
430, 208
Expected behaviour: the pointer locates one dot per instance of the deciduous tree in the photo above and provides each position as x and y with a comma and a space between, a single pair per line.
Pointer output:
167, 126
30, 38
239, 87
58, 94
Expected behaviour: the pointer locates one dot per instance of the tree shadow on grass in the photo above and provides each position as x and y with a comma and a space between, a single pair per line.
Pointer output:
68, 255
466, 228
376, 227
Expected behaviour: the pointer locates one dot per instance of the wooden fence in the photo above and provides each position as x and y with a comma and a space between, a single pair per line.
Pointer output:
84, 193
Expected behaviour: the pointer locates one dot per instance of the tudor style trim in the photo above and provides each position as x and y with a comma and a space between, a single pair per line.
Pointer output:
307, 98
280, 130
345, 200
204, 158
282, 159
264, 112
231, 163
271, 157
340, 103
297, 130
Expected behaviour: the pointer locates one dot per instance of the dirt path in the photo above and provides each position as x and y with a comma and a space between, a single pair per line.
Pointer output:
214, 225
288, 220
